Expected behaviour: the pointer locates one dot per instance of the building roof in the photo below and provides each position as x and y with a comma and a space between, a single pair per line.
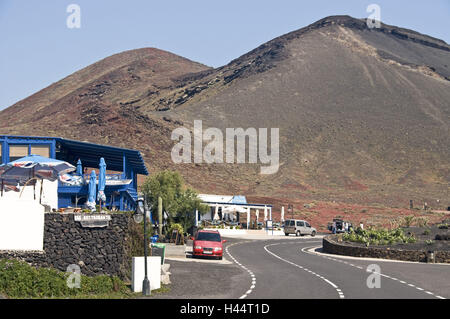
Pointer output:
90, 153
229, 200
210, 198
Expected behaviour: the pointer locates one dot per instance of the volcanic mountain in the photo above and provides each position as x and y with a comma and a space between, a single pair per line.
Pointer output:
363, 114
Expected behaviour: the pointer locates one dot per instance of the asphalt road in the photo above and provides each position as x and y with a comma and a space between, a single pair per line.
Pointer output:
288, 269
294, 268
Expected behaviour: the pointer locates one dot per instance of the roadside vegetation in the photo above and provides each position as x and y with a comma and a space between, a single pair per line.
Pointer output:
180, 202
378, 236
20, 280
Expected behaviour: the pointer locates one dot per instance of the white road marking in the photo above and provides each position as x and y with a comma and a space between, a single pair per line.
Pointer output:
252, 275
340, 293
307, 250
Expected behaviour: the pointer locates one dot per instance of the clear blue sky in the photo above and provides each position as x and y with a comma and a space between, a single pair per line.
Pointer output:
37, 48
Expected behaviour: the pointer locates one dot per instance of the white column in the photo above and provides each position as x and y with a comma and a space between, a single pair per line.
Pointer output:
282, 214
216, 211
271, 214
196, 218
248, 216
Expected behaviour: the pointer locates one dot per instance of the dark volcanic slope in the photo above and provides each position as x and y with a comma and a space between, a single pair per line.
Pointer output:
363, 114
101, 103
358, 109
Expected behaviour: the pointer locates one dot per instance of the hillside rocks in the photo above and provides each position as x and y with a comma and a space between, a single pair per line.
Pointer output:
363, 114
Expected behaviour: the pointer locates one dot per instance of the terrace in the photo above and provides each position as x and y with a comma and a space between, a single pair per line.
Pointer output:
123, 166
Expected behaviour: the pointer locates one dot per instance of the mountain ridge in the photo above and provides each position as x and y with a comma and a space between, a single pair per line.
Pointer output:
363, 113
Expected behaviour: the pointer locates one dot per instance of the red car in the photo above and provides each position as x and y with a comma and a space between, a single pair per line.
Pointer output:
208, 243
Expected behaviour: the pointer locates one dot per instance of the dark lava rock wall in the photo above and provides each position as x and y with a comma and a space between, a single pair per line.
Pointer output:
331, 246
96, 250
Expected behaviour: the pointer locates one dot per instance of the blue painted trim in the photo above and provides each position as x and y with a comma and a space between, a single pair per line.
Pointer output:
238, 204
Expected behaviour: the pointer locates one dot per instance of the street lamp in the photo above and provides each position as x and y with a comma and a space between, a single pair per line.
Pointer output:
141, 213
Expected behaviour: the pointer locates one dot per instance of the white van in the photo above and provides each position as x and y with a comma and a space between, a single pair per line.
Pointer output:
298, 227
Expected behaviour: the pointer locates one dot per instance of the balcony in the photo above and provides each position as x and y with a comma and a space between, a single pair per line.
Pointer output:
68, 180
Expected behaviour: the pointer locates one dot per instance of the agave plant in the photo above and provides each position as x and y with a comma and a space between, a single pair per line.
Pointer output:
408, 220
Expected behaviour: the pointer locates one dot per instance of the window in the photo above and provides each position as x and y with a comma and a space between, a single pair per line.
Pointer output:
307, 225
17, 151
300, 224
208, 236
42, 150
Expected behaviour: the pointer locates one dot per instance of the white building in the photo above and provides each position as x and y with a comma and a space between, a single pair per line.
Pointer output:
229, 208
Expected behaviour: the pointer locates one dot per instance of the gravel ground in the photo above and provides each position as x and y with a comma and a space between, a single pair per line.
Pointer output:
194, 280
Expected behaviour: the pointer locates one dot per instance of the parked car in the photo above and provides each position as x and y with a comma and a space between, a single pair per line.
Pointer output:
340, 225
208, 243
298, 227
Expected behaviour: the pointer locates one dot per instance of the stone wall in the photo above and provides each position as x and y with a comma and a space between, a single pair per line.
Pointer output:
96, 250
332, 246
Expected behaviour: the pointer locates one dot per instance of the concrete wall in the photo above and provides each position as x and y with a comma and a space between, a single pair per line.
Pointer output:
21, 225
138, 272
230, 232
49, 193
95, 250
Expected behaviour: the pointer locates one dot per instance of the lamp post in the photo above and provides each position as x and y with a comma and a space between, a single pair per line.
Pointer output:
141, 212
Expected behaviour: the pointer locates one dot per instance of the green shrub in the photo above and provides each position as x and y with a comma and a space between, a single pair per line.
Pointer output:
408, 220
422, 221
176, 226
20, 280
378, 236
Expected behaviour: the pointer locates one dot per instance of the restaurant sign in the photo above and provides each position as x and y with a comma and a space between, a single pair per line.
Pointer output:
90, 221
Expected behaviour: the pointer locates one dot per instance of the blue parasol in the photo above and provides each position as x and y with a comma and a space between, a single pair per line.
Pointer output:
101, 181
35, 166
79, 168
92, 191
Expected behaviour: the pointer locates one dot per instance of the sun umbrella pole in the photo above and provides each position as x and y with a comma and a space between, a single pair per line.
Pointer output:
40, 196
34, 187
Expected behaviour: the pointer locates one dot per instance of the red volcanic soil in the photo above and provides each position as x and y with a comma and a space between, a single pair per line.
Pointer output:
319, 213
362, 117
